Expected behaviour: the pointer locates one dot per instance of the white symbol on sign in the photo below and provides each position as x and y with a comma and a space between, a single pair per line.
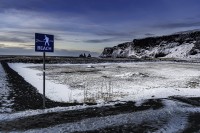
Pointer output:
46, 40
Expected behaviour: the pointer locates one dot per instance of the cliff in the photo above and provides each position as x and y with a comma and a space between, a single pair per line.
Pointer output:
180, 45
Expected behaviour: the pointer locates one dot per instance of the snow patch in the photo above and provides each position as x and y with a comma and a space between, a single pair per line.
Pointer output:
54, 91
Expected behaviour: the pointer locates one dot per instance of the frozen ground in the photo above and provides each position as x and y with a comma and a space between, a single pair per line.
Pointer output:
114, 81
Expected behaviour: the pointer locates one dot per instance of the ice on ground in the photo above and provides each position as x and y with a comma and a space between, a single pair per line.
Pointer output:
113, 81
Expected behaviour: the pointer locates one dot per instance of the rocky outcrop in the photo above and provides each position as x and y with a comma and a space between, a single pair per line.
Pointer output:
181, 45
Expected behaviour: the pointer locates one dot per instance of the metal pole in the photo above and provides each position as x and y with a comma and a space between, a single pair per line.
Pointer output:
44, 80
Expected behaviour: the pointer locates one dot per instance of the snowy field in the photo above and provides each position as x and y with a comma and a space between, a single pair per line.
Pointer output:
119, 82
113, 81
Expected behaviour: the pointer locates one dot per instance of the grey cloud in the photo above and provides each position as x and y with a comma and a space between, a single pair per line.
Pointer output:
16, 51
56, 37
149, 34
27, 45
12, 39
178, 25
53, 8
23, 5
22, 37
2, 45
75, 41
22, 33
115, 34
57, 52
99, 40
28, 35
17, 36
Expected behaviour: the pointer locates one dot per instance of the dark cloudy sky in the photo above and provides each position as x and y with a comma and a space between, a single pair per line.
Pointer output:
90, 25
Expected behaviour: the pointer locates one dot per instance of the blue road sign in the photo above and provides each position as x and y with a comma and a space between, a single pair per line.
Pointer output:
44, 42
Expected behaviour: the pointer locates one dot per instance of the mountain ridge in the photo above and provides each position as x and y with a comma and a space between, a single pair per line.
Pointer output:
178, 45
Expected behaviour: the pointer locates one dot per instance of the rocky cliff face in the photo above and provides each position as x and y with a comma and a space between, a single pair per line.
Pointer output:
181, 45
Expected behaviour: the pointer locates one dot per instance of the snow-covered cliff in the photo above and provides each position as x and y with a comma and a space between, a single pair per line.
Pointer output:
181, 45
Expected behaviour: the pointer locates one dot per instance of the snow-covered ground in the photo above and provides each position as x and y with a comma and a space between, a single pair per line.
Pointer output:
113, 81
172, 118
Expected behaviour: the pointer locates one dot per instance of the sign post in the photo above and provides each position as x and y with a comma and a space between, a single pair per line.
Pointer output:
43, 79
44, 43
